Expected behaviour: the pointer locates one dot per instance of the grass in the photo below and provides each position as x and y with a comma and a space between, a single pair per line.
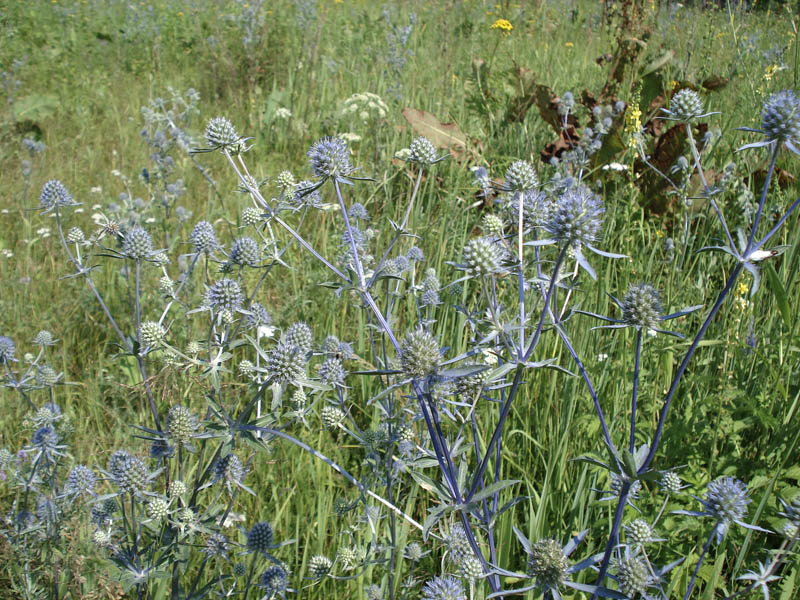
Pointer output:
90, 68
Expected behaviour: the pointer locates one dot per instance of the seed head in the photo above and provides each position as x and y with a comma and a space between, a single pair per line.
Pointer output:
47, 376
332, 372
493, 225
671, 482
470, 567
245, 252
44, 338
633, 575
102, 538
299, 336
419, 354
422, 151
483, 256
166, 285
413, 551
176, 488
443, 588
330, 157
319, 566
639, 532
224, 294
547, 563
780, 118
204, 237
332, 416
181, 424
686, 105
299, 399
260, 537
81, 480
75, 235
641, 306
151, 333
285, 181
158, 508
220, 135
246, 367
285, 364
349, 558
520, 177
251, 215
137, 243
131, 474
54, 194
576, 217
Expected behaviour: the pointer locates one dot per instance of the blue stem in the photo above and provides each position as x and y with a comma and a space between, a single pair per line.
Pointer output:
699, 563
636, 368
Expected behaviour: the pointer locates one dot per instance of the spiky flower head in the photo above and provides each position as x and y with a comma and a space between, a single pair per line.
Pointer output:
576, 217
216, 545
641, 306
181, 424
285, 363
332, 372
373, 592
176, 488
157, 508
224, 294
251, 215
520, 177
307, 193
285, 181
470, 567
131, 474
319, 566
443, 588
299, 336
616, 486
419, 353
330, 157
102, 537
246, 367
457, 543
166, 285
547, 564
151, 333
413, 551
47, 376
260, 537
44, 338
332, 416
54, 193
349, 558
137, 243
273, 581
633, 576
45, 438
483, 256
204, 237
639, 532
671, 482
221, 135
7, 349
229, 468
493, 225
535, 208
6, 458
423, 151
686, 105
75, 235
240, 569
780, 118
245, 252
726, 500
81, 480
299, 399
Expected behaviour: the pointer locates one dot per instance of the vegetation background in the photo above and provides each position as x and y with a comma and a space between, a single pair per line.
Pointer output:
76, 75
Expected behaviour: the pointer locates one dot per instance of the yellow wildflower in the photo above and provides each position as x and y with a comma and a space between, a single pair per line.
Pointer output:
770, 71
503, 25
569, 44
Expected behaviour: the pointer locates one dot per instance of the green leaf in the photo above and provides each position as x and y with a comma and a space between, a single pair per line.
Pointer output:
491, 489
433, 518
777, 289
36, 107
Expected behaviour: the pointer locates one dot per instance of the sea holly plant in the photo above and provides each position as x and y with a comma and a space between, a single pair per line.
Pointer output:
164, 508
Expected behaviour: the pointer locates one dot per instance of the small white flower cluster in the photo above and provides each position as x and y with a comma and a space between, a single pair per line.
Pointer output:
366, 106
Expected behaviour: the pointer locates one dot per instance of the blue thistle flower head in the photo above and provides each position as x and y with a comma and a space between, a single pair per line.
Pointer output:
7, 349
273, 581
726, 500
225, 294
780, 122
203, 237
54, 194
443, 588
576, 218
330, 158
